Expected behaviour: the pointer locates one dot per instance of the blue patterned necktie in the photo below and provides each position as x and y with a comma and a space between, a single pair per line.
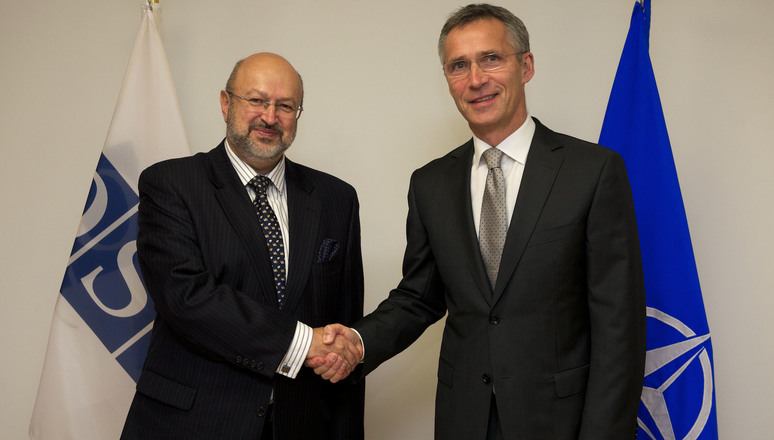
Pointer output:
272, 233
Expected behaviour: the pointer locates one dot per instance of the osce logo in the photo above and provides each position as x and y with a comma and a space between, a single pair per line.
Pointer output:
102, 281
672, 372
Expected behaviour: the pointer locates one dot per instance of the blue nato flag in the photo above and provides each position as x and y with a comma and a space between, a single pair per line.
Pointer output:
678, 397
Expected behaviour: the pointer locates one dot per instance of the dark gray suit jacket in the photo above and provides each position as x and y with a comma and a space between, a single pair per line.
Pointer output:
219, 336
561, 339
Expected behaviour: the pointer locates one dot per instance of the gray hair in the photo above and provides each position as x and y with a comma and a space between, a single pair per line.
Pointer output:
517, 32
232, 77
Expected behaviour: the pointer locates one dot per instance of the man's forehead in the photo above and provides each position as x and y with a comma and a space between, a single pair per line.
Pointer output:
476, 39
270, 84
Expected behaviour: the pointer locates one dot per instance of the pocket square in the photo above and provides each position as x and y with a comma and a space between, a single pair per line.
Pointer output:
328, 250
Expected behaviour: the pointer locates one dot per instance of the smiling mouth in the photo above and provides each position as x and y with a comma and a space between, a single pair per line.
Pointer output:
266, 131
484, 99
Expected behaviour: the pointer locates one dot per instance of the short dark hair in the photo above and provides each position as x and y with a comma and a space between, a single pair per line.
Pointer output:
517, 32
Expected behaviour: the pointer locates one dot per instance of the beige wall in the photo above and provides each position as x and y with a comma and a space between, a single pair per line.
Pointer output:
376, 109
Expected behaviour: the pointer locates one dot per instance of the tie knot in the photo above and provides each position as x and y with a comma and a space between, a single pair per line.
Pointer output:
492, 157
260, 183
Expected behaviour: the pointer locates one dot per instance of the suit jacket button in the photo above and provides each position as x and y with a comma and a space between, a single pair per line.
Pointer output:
239, 359
486, 378
252, 364
494, 320
259, 366
245, 362
261, 411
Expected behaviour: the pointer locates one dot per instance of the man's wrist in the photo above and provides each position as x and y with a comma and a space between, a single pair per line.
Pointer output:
362, 345
296, 354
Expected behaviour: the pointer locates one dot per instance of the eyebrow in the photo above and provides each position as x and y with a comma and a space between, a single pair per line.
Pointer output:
480, 54
265, 96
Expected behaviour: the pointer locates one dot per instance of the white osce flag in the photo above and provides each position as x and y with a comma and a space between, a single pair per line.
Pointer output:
103, 316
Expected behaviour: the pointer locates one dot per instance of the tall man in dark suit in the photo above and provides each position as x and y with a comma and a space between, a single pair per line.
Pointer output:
533, 253
244, 252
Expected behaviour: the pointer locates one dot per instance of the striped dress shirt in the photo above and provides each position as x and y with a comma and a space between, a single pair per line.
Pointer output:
278, 200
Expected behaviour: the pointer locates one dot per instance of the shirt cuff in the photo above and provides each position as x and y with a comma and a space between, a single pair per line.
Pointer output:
296, 354
362, 346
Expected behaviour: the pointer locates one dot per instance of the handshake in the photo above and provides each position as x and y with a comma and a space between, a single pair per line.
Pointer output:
335, 352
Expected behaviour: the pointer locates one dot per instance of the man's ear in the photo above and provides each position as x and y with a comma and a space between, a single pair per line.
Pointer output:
224, 102
527, 67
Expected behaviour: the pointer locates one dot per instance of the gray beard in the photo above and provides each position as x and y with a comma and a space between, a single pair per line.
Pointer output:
251, 150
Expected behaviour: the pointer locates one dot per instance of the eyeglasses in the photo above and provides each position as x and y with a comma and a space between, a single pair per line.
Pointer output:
263, 105
488, 63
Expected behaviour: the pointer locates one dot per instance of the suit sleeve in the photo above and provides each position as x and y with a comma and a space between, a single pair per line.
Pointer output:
616, 297
353, 283
208, 316
414, 305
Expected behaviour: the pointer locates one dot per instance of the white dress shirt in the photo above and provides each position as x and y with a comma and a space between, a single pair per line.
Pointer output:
515, 149
278, 200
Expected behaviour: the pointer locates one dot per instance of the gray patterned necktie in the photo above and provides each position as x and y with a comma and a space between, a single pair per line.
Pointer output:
272, 233
493, 225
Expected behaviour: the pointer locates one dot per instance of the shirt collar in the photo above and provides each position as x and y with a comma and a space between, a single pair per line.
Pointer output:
246, 172
515, 146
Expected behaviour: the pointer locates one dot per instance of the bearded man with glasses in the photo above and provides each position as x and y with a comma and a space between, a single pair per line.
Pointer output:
526, 239
246, 256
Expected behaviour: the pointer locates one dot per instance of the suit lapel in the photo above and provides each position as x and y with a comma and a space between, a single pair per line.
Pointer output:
240, 212
304, 217
462, 214
538, 178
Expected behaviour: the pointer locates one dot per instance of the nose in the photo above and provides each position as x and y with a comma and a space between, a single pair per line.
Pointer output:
477, 77
269, 115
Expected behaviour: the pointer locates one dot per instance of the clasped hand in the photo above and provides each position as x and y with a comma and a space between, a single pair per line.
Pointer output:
335, 352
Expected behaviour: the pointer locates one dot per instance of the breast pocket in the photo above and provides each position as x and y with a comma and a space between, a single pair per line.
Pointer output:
554, 234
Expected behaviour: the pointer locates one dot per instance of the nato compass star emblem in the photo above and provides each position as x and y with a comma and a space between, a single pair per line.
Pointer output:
684, 366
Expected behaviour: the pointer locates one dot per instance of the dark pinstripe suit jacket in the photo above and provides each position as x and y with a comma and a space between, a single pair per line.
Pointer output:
219, 337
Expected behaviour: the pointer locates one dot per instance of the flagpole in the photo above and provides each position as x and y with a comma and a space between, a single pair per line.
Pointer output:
156, 13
